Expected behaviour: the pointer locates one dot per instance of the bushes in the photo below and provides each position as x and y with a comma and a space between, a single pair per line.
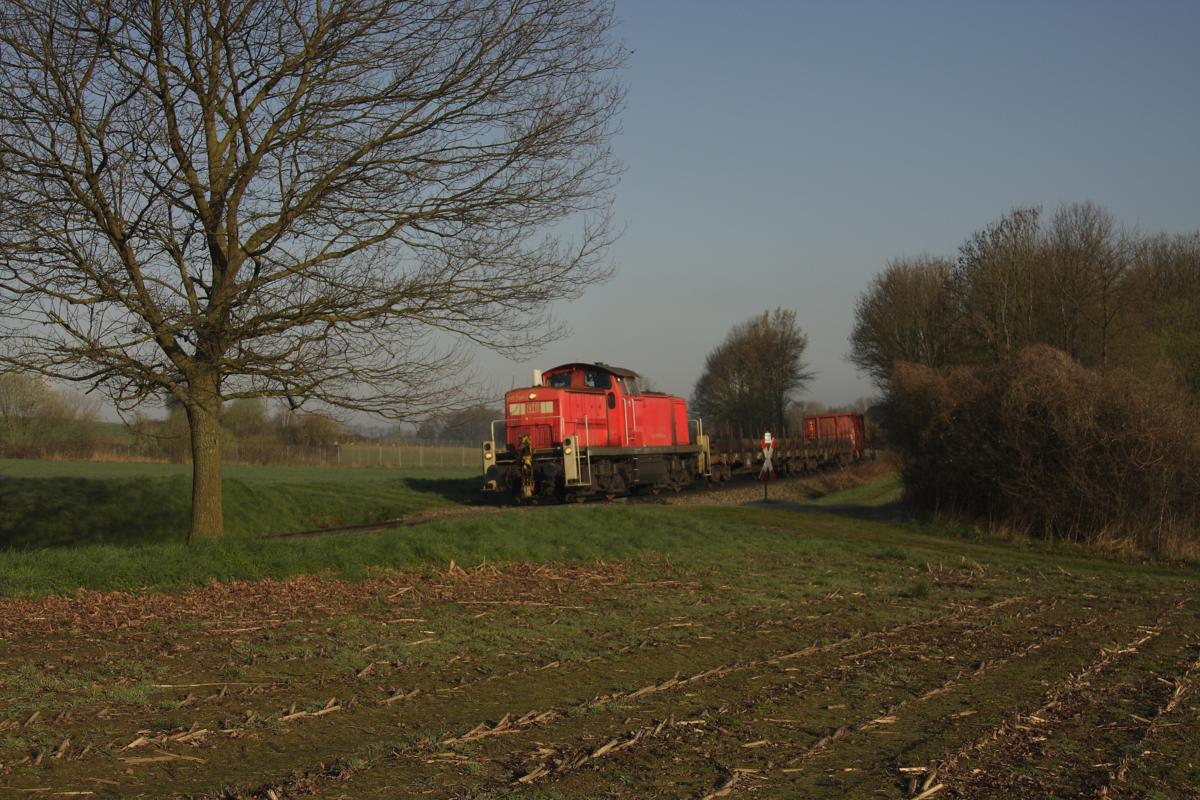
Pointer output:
1041, 443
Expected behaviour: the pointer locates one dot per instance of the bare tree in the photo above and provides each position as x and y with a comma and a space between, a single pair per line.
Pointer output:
906, 314
751, 378
216, 199
1162, 291
473, 423
995, 284
1085, 270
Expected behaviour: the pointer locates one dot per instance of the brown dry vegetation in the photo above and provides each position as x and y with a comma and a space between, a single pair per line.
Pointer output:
1041, 444
817, 655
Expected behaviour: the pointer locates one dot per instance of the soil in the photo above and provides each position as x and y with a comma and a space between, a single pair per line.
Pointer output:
635, 679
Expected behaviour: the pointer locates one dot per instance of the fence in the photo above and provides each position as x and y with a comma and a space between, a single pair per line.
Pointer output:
409, 455
389, 455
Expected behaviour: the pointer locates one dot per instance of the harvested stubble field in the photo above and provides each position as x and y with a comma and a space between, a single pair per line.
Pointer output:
739, 652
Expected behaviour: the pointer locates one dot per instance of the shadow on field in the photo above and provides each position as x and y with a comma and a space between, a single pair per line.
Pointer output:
70, 511
461, 491
894, 511
67, 511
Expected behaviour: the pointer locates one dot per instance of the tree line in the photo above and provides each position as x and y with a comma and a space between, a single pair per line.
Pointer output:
1107, 296
1046, 378
34, 416
38, 419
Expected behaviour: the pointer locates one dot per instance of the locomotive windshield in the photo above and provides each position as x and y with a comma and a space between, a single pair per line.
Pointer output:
631, 386
582, 376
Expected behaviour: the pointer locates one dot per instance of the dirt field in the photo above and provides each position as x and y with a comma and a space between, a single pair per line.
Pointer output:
811, 655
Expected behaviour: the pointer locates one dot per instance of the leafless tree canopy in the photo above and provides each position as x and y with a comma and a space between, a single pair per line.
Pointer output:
232, 198
906, 314
751, 378
1106, 295
292, 193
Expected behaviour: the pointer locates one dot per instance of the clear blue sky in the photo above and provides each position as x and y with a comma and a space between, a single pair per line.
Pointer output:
781, 153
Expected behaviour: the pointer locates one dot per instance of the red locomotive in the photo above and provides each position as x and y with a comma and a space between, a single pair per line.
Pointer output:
590, 428
584, 429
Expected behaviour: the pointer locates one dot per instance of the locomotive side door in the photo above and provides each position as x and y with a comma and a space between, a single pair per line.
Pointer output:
618, 431
634, 407
608, 403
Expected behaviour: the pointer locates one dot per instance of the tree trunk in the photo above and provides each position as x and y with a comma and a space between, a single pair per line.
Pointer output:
204, 419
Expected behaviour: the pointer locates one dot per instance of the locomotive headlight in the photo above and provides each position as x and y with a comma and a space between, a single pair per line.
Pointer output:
532, 395
567, 450
487, 456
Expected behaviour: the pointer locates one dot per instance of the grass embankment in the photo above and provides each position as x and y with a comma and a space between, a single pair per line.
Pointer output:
567, 533
66, 525
68, 504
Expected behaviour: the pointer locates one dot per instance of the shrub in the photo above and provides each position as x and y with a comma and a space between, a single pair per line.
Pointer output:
1041, 443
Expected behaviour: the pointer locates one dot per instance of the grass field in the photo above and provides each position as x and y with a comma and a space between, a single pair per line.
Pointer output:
65, 503
610, 651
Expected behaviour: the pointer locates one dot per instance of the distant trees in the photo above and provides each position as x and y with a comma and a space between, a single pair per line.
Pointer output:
35, 415
210, 201
1106, 296
1086, 259
1162, 290
467, 424
995, 288
752, 377
907, 314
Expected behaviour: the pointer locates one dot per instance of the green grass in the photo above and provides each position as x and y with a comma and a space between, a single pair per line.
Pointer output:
826, 549
878, 493
565, 533
65, 526
66, 504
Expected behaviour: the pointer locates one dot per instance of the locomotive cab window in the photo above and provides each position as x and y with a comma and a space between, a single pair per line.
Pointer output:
630, 386
562, 380
596, 379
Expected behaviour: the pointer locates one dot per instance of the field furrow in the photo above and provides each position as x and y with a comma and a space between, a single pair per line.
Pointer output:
553, 744
772, 654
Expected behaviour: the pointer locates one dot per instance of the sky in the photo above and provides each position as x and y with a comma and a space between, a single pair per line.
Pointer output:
780, 153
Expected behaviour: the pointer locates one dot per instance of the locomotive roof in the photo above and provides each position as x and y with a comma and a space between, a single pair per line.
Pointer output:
620, 372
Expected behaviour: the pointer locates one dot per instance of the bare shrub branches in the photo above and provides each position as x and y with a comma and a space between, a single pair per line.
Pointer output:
1040, 442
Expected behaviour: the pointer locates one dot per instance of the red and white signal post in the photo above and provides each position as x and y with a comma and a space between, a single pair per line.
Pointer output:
767, 473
